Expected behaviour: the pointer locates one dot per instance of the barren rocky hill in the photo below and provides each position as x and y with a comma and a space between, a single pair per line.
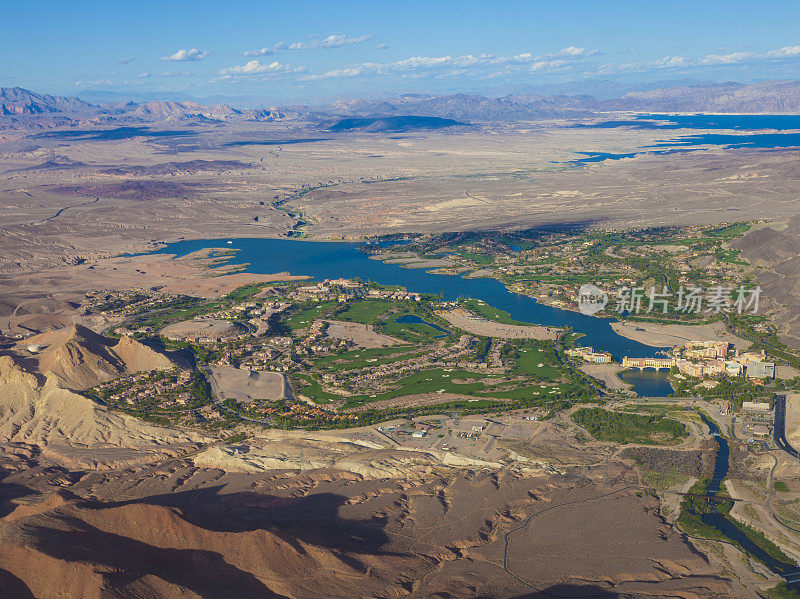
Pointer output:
71, 429
81, 358
20, 107
775, 250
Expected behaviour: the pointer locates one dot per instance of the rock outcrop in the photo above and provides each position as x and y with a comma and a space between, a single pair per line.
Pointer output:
81, 358
72, 430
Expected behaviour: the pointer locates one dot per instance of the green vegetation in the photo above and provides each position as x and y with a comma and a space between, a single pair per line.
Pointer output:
243, 293
729, 231
537, 360
691, 521
313, 389
781, 591
629, 428
366, 311
302, 315
735, 390
781, 486
483, 259
412, 332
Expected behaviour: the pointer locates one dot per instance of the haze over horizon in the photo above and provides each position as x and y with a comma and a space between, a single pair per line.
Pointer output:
289, 54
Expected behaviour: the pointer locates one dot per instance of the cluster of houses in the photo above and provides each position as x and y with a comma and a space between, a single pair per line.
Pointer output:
710, 358
168, 390
341, 289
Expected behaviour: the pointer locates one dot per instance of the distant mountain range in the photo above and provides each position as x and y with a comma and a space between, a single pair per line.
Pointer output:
765, 97
23, 108
20, 107
18, 101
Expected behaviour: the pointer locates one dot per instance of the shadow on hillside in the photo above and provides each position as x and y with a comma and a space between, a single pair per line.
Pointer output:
312, 519
124, 561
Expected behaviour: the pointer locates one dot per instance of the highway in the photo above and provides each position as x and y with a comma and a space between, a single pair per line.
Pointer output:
779, 430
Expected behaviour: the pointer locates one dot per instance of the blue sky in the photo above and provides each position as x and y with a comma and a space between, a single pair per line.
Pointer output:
308, 51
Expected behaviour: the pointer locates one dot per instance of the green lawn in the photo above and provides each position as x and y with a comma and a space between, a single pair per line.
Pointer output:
430, 381
413, 332
427, 381
304, 318
313, 390
481, 259
366, 311
730, 231
361, 357
530, 358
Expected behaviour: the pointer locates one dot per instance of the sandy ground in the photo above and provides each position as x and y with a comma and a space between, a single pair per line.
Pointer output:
793, 418
363, 335
244, 385
487, 328
660, 335
202, 327
606, 373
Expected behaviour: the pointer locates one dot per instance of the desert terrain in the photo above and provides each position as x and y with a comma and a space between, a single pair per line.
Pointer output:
97, 501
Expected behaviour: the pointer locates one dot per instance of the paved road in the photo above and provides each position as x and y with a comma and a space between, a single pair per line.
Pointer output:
779, 431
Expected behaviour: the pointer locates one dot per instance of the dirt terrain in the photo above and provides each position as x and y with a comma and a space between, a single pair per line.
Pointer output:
80, 358
662, 335
488, 328
95, 503
245, 385
363, 335
264, 535
69, 429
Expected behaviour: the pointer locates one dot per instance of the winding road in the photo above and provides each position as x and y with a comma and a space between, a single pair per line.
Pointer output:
779, 429
57, 214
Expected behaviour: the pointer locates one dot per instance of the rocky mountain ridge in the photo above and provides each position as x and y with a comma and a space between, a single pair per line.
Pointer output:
21, 108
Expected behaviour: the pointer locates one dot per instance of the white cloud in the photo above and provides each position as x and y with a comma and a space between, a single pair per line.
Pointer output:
254, 67
188, 55
731, 58
486, 64
335, 40
260, 52
574, 51
787, 52
669, 62
94, 82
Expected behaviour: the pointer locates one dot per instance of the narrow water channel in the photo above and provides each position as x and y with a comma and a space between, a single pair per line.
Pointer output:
720, 522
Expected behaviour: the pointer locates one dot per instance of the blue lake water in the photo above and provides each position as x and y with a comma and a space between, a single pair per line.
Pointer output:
648, 383
330, 260
414, 319
757, 131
